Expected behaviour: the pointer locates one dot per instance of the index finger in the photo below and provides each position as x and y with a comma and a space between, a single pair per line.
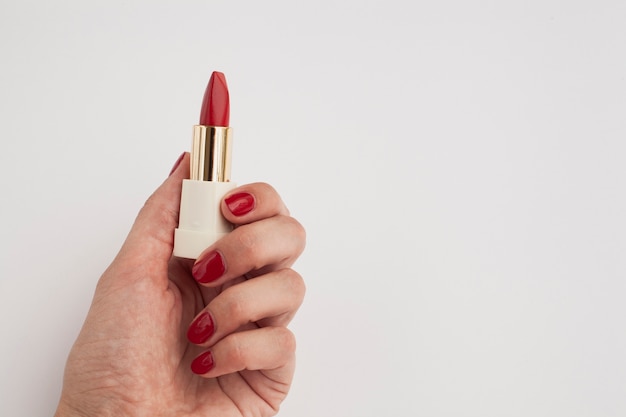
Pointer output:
252, 202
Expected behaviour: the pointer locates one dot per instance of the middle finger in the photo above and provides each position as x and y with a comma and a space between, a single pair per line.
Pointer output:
265, 245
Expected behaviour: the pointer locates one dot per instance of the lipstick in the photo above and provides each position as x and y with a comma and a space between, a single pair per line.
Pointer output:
200, 222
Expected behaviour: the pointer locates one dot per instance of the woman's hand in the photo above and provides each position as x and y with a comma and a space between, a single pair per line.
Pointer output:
170, 337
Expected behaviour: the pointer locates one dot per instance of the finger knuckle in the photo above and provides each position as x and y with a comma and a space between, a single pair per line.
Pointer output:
247, 243
295, 283
265, 187
268, 197
263, 192
285, 340
234, 307
299, 233
296, 230
235, 352
154, 205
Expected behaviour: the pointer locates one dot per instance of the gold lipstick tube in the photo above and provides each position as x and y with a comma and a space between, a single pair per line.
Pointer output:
211, 152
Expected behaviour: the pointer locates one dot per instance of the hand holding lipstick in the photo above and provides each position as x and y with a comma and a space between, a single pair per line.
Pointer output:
169, 336
173, 337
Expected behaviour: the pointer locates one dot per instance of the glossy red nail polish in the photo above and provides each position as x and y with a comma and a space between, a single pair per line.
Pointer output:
209, 268
201, 329
203, 363
240, 203
177, 163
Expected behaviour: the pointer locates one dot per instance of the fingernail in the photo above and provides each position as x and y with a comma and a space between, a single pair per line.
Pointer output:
177, 163
209, 268
240, 203
203, 363
201, 329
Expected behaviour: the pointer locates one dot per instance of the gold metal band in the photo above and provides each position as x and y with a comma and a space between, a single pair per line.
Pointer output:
211, 153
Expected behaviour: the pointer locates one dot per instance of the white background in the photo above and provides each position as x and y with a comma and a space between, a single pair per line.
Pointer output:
459, 166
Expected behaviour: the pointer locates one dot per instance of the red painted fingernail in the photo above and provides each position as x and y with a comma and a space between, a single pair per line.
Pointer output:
201, 329
177, 163
209, 268
203, 363
240, 203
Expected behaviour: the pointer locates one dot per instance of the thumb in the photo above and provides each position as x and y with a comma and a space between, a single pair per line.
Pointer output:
152, 235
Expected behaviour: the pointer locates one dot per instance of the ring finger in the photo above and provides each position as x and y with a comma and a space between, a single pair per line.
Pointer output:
272, 299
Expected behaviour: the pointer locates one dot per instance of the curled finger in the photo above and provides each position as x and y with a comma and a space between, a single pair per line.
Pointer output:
269, 244
273, 298
267, 348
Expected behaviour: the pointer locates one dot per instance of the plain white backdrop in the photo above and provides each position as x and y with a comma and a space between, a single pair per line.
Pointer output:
459, 167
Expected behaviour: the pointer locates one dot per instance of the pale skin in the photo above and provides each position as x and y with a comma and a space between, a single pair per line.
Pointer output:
133, 357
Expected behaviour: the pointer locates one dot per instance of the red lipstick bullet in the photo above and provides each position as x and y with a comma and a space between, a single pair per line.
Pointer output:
216, 103
200, 221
